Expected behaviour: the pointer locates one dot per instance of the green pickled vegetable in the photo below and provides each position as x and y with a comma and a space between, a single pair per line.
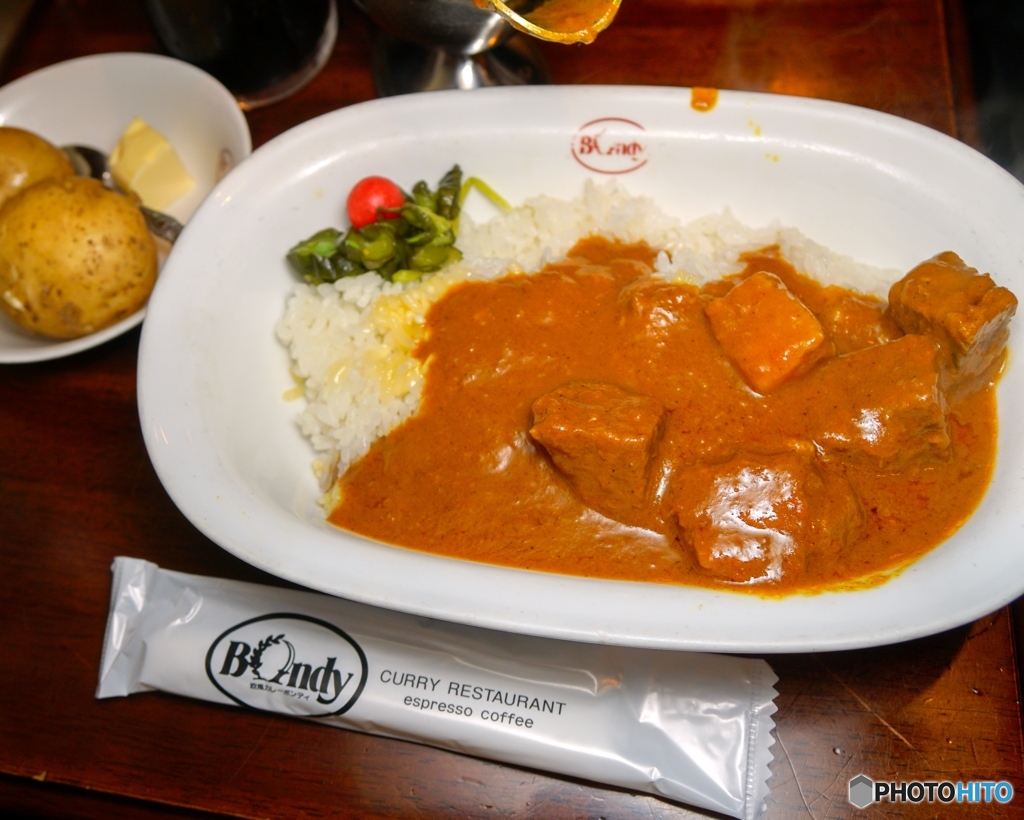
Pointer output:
420, 240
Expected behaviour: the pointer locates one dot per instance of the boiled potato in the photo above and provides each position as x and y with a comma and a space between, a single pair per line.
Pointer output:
75, 257
26, 159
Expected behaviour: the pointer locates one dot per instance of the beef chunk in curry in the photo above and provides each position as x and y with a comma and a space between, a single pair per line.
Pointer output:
964, 311
769, 334
882, 405
762, 517
601, 438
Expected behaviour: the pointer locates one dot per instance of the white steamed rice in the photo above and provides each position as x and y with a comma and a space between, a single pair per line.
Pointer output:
351, 342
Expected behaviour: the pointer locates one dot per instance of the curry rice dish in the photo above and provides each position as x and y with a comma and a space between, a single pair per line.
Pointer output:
611, 416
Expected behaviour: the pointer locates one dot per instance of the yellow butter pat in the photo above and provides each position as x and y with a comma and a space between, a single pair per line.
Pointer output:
146, 163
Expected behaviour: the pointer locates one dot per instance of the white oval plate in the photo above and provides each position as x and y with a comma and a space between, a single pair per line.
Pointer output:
89, 101
882, 189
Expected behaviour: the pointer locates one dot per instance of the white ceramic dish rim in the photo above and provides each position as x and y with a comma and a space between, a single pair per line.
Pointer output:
134, 67
183, 403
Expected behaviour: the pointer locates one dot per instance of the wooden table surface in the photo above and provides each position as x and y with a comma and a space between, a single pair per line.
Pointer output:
77, 489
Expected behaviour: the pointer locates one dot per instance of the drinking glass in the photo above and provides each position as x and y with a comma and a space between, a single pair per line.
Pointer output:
262, 50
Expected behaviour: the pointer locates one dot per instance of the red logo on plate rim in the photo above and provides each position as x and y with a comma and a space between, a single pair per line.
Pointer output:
589, 145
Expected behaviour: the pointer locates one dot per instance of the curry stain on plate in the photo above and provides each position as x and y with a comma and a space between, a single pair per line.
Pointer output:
703, 99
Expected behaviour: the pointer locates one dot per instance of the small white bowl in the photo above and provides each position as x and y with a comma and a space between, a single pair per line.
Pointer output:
89, 101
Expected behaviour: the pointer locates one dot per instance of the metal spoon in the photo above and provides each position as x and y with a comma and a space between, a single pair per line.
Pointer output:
558, 21
89, 162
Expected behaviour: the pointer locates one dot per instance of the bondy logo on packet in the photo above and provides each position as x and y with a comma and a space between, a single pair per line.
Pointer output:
288, 663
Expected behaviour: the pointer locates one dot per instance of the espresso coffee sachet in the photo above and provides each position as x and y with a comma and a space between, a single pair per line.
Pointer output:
690, 727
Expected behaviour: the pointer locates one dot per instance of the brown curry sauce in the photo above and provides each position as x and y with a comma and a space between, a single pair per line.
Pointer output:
468, 476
